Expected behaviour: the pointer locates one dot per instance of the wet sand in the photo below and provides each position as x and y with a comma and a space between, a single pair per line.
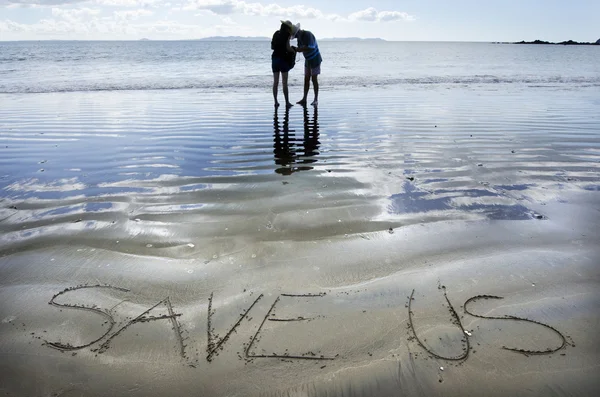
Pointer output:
203, 244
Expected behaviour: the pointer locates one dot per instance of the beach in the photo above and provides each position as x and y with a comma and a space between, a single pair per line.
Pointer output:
191, 242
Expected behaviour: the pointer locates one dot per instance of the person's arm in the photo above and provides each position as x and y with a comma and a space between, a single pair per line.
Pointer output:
289, 47
312, 44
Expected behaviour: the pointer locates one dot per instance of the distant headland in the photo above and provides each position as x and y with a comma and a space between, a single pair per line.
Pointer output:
233, 38
569, 42
261, 38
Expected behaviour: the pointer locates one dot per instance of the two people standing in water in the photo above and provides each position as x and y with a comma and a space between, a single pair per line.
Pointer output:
284, 58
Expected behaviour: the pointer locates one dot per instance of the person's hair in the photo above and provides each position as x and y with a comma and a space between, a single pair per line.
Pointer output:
285, 29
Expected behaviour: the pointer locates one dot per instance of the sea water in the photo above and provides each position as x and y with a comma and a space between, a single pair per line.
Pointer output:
57, 66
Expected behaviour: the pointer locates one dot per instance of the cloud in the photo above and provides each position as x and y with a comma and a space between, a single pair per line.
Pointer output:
132, 15
49, 3
127, 3
27, 3
335, 17
228, 7
221, 7
228, 21
91, 19
44, 27
274, 10
389, 16
118, 25
372, 15
75, 14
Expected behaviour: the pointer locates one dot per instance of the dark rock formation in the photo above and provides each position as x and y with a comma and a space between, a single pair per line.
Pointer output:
569, 42
534, 42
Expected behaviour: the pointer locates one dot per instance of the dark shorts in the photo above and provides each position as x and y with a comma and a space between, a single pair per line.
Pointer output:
280, 65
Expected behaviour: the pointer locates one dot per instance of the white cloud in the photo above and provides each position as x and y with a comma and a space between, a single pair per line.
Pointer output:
388, 16
119, 25
74, 14
127, 3
132, 15
228, 21
372, 15
9, 26
227, 7
123, 19
49, 3
274, 10
44, 27
28, 3
215, 6
335, 17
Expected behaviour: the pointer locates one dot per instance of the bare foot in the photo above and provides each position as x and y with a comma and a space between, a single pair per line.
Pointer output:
302, 102
314, 103
289, 105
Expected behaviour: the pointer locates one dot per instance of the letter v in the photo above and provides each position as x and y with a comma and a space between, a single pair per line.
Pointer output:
214, 345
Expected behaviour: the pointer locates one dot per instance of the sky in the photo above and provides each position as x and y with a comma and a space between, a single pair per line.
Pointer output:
410, 20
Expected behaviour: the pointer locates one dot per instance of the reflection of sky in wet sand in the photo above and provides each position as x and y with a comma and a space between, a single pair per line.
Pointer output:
470, 200
218, 164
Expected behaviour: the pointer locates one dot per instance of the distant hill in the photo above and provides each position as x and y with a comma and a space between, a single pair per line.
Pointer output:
349, 39
260, 38
234, 38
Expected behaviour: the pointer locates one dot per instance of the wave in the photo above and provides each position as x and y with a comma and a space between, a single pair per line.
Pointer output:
328, 82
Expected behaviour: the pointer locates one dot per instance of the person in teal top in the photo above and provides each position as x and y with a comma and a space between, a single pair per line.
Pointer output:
307, 44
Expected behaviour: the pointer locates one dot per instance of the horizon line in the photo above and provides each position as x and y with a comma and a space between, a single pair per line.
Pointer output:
260, 38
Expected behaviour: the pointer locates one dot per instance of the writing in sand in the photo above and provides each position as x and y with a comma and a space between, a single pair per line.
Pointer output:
164, 310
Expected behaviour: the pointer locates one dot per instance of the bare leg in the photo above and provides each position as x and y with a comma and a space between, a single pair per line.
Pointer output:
315, 81
284, 81
306, 88
275, 87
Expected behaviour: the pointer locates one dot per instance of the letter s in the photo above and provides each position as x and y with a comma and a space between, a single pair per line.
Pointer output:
522, 351
103, 313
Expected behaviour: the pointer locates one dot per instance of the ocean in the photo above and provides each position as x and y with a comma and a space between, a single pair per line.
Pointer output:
65, 66
429, 229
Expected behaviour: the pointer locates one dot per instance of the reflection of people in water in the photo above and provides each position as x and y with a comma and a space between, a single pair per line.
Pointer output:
282, 148
289, 155
311, 137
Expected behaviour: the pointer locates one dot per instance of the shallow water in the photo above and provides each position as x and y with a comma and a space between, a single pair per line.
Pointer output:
105, 163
